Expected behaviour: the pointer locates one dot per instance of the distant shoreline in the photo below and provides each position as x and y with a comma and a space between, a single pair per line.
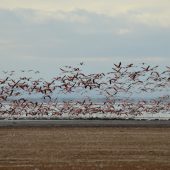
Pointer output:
85, 123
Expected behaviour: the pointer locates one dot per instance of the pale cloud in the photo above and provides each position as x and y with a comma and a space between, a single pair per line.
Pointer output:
154, 19
78, 33
39, 16
123, 31
109, 6
152, 12
39, 34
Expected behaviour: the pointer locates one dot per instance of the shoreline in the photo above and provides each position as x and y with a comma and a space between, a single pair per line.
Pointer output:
85, 123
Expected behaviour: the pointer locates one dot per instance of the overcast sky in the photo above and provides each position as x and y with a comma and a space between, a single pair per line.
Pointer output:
47, 34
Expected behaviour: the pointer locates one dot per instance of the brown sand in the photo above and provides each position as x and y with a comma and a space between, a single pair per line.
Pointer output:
84, 148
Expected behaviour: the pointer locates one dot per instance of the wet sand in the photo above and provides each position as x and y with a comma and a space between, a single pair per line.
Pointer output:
85, 123
51, 148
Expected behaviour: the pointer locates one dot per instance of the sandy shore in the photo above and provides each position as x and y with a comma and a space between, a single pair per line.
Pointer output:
51, 148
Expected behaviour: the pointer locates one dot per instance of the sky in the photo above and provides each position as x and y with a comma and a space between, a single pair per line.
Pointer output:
45, 35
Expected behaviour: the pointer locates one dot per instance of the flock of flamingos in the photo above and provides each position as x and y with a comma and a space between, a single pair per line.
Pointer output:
116, 87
